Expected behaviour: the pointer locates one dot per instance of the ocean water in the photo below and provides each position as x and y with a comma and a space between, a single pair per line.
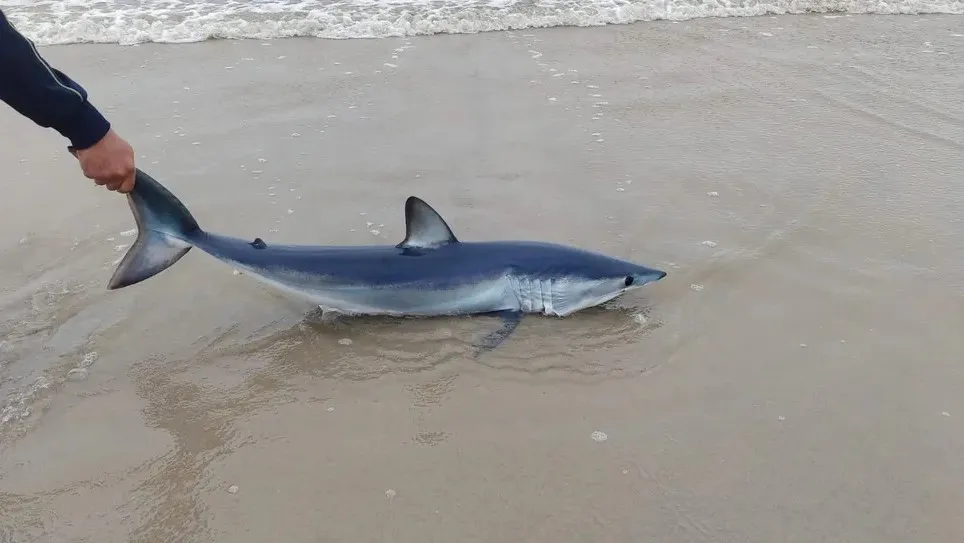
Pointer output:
51, 22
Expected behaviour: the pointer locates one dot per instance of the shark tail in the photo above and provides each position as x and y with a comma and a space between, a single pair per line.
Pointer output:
164, 229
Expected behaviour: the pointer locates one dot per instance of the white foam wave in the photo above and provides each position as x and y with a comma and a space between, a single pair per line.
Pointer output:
50, 22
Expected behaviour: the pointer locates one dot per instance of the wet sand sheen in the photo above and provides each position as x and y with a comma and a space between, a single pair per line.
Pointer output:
795, 377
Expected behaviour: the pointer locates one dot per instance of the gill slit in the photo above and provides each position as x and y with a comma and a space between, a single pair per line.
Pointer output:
533, 296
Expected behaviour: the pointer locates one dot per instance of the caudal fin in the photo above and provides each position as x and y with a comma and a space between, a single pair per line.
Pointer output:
163, 228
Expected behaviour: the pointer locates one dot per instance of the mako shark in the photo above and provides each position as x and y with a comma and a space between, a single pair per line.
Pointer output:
429, 273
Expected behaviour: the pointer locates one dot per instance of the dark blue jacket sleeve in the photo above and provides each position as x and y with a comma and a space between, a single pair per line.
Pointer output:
45, 95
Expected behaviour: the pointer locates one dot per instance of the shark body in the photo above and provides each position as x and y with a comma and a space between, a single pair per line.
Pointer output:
429, 273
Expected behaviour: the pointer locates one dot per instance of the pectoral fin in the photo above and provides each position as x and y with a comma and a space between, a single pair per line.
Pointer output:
510, 321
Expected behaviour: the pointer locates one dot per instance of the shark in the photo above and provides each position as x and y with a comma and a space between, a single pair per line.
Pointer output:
430, 273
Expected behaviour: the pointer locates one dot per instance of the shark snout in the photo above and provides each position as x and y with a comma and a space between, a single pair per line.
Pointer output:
649, 275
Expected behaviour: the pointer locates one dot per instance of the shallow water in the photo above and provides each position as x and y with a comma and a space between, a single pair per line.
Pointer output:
794, 377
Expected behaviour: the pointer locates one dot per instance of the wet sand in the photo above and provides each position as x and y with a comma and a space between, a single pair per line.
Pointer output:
796, 377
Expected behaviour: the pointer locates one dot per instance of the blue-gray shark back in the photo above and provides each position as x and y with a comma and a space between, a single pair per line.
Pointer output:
429, 273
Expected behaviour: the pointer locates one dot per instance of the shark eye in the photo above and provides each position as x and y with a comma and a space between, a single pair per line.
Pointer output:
629, 280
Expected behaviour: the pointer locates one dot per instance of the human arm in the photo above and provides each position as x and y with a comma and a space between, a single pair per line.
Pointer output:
51, 99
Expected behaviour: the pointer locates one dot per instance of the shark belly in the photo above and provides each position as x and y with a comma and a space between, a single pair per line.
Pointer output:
482, 296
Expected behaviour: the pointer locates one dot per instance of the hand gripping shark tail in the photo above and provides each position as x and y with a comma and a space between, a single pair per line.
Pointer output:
163, 228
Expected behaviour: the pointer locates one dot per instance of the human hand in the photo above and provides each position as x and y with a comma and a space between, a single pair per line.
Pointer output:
109, 162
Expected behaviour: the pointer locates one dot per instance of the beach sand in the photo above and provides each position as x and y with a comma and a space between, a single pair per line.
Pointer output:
796, 377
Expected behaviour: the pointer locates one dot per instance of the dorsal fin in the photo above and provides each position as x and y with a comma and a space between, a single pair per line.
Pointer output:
424, 227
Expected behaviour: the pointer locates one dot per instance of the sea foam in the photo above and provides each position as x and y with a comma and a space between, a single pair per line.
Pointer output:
51, 22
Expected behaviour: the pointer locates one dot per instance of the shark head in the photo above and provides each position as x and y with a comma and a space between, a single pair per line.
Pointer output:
595, 279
